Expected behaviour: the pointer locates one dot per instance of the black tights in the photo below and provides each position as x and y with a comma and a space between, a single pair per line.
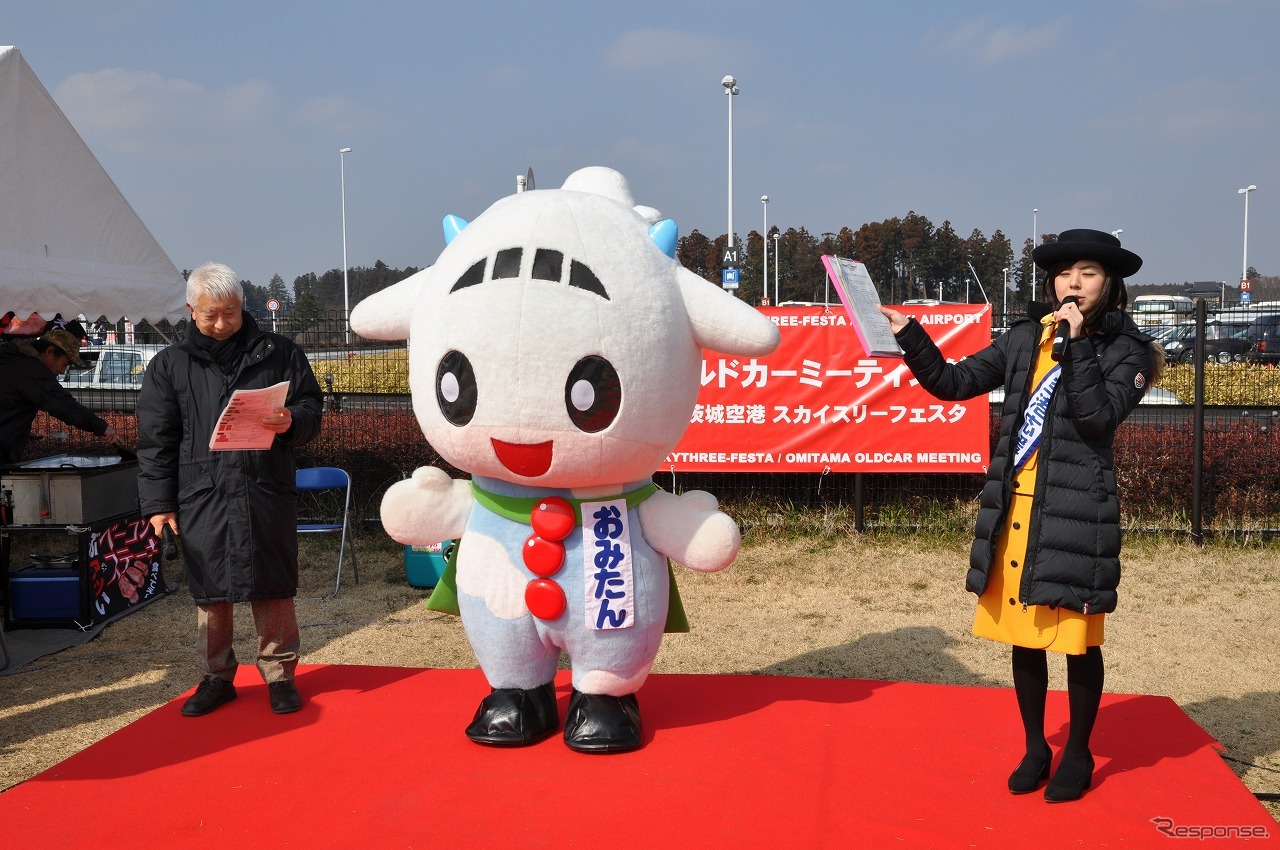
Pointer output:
1084, 693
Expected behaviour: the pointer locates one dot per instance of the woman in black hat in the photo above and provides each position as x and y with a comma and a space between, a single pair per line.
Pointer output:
1045, 556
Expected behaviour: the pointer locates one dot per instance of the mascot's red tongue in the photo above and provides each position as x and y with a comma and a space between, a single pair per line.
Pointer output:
527, 459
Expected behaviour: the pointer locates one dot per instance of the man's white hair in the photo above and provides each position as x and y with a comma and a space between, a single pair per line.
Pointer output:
217, 281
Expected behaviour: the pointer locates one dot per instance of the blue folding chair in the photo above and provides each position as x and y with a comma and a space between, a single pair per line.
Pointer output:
330, 478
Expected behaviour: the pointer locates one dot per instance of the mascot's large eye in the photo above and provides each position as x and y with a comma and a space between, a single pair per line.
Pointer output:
593, 394
456, 388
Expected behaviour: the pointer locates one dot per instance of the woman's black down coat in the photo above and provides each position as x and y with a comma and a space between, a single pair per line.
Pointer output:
237, 510
1073, 544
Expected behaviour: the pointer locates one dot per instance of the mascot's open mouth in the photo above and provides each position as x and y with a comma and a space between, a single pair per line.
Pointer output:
527, 459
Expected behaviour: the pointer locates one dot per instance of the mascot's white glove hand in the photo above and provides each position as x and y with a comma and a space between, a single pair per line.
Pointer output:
428, 508
690, 530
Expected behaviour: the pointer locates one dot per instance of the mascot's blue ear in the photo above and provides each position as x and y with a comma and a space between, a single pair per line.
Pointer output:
665, 234
452, 227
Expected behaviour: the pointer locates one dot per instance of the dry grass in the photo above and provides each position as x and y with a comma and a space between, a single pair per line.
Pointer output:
1196, 624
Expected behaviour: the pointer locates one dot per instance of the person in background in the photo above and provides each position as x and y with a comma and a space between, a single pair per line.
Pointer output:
235, 511
1045, 561
29, 371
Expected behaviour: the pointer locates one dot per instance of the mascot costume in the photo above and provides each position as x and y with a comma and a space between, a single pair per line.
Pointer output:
555, 355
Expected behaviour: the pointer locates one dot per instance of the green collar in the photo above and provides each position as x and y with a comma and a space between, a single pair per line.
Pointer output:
518, 508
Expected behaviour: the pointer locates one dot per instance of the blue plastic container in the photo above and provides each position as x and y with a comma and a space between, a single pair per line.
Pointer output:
42, 594
424, 565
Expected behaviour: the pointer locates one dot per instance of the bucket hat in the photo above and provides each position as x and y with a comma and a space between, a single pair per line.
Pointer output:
68, 343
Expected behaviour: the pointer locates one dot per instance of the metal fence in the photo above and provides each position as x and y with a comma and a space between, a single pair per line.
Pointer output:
1207, 465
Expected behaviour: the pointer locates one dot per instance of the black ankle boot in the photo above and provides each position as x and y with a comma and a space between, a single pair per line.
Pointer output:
515, 717
1072, 779
1030, 772
599, 723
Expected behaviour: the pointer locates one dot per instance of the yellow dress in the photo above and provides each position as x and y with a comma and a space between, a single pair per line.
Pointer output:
1000, 616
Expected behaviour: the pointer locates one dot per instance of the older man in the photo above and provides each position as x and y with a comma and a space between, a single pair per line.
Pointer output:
235, 511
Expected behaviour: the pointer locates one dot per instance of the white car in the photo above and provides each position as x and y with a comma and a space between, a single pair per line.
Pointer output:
112, 377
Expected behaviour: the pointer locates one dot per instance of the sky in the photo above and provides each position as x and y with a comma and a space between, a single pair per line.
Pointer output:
222, 123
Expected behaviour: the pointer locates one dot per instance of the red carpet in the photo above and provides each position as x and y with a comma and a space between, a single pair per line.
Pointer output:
376, 758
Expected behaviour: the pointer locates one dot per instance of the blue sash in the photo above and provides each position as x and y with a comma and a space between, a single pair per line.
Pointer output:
1033, 421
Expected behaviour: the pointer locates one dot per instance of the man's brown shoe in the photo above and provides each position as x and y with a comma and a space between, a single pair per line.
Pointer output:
210, 693
284, 697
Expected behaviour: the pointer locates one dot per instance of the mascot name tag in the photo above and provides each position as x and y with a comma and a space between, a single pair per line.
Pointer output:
606, 553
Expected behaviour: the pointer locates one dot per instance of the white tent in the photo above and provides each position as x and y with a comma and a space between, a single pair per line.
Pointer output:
69, 241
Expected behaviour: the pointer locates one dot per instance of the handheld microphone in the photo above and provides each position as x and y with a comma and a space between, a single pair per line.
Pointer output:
1062, 334
170, 545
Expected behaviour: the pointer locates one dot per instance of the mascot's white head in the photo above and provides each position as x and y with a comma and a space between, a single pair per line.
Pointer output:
556, 341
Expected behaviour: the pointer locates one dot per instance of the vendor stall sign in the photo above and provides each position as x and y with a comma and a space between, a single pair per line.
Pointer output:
124, 567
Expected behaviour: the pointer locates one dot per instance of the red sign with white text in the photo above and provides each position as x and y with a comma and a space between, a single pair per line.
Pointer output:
820, 403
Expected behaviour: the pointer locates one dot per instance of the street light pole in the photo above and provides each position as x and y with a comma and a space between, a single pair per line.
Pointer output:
1244, 266
731, 90
346, 292
777, 263
1031, 271
1004, 307
764, 245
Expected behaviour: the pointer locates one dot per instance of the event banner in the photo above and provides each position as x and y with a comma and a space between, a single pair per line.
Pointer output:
819, 403
124, 566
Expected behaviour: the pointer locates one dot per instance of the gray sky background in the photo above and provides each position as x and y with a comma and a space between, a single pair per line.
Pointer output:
221, 122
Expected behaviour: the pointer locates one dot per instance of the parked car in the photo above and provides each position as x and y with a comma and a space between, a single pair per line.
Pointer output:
113, 373
1223, 342
112, 377
1264, 333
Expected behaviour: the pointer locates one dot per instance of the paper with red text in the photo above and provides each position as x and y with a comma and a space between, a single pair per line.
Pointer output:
240, 427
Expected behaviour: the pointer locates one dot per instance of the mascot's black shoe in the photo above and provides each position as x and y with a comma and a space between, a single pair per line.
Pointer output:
599, 723
515, 717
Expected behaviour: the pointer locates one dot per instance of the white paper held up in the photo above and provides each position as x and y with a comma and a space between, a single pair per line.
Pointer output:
861, 301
